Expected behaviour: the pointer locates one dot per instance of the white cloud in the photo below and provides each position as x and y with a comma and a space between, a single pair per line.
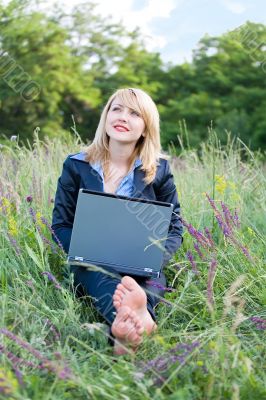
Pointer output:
122, 10
236, 7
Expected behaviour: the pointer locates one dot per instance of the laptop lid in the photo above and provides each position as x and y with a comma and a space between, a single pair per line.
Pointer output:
123, 233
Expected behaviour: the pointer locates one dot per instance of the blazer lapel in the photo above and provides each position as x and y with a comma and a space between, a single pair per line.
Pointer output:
92, 179
139, 183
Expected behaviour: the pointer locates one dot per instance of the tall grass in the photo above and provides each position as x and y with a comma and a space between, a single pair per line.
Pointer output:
210, 342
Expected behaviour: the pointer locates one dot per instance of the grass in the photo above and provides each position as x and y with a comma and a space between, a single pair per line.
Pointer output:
210, 342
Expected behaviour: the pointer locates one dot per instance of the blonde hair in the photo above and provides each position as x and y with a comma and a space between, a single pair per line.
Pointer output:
148, 148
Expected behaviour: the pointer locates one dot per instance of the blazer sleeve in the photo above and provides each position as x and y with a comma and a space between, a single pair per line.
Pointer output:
166, 192
65, 204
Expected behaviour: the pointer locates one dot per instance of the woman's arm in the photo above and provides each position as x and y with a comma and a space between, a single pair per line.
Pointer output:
166, 192
65, 204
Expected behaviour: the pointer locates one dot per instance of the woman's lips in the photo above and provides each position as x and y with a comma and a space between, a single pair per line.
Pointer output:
121, 128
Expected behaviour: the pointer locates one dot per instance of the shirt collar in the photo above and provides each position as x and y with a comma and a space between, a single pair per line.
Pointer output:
98, 167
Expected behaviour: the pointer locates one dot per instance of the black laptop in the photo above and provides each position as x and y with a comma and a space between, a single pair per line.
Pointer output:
119, 233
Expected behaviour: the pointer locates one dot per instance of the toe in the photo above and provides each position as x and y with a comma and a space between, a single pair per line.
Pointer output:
129, 283
116, 297
121, 288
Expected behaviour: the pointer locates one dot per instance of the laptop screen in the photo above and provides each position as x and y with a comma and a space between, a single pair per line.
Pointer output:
119, 231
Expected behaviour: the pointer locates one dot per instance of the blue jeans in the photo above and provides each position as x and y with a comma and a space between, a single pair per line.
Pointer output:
101, 287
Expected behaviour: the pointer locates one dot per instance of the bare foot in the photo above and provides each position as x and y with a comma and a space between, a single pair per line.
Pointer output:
129, 293
127, 329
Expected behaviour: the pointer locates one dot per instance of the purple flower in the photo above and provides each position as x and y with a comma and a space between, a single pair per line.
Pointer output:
179, 353
192, 262
46, 223
29, 199
209, 236
196, 247
14, 244
159, 286
53, 329
227, 214
200, 238
224, 227
236, 220
260, 323
52, 279
60, 369
246, 252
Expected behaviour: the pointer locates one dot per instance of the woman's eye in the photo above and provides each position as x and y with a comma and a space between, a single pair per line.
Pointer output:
135, 113
116, 109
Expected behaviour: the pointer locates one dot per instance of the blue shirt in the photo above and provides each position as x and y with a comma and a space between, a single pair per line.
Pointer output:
126, 186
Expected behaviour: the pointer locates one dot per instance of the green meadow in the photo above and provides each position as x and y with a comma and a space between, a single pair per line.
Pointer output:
210, 341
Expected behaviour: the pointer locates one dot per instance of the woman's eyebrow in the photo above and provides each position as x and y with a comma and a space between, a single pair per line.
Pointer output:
117, 104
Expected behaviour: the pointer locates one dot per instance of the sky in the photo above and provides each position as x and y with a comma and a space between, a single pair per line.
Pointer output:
174, 27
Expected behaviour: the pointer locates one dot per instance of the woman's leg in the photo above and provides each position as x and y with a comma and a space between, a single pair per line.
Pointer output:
101, 286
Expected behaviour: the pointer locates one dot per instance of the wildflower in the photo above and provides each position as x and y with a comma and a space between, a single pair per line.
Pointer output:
5, 206
220, 184
212, 203
51, 278
12, 226
246, 252
224, 227
14, 244
8, 384
38, 217
39, 221
227, 214
209, 236
260, 323
13, 138
159, 286
196, 247
251, 232
192, 262
46, 223
29, 199
53, 329
200, 238
179, 353
62, 371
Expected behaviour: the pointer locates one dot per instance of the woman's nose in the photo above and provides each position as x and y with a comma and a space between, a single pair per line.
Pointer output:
124, 115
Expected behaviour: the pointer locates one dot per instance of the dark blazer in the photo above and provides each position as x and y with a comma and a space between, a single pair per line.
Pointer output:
77, 173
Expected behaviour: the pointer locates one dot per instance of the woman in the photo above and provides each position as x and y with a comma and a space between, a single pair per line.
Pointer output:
124, 158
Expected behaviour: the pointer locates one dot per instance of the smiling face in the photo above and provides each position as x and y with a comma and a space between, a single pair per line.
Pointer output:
124, 124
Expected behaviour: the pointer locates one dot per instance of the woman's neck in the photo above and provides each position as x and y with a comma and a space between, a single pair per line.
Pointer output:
121, 153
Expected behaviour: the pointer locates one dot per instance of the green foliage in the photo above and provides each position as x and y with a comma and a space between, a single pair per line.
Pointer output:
200, 349
58, 66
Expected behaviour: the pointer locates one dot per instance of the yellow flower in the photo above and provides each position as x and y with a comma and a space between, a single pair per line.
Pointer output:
6, 205
8, 383
251, 232
220, 184
159, 339
12, 226
39, 218
200, 363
